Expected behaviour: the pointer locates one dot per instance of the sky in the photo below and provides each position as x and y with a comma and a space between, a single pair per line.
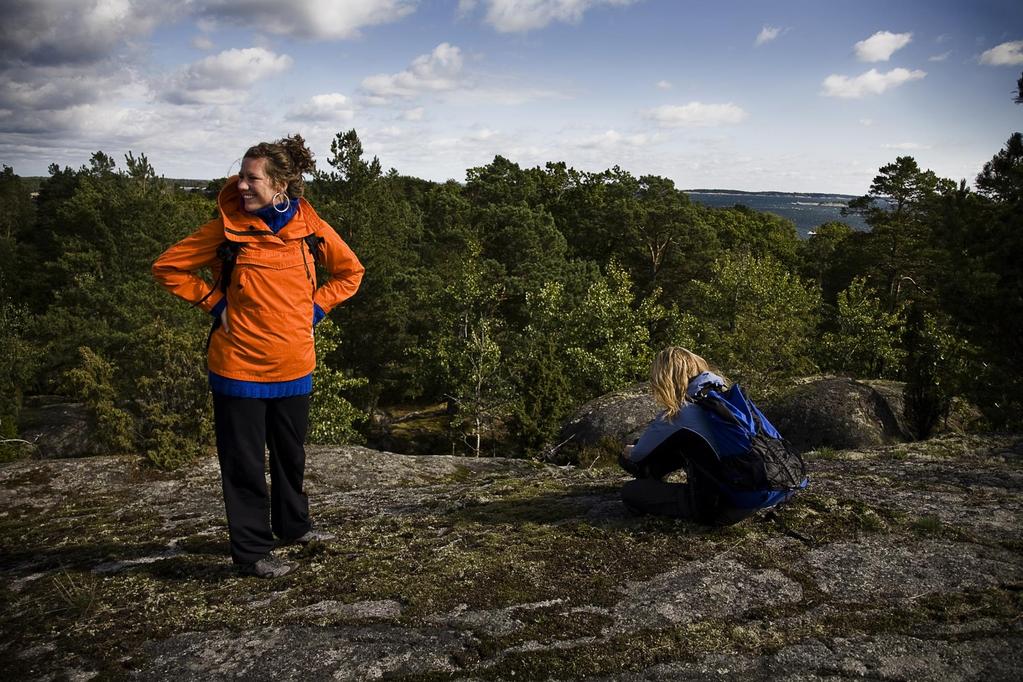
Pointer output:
787, 96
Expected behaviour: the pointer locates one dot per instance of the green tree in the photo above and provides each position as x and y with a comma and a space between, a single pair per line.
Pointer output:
609, 342
901, 240
1001, 178
603, 337
464, 349
670, 237
385, 317
142, 368
992, 241
820, 255
525, 243
594, 213
740, 228
938, 363
501, 183
18, 360
92, 382
755, 320
866, 341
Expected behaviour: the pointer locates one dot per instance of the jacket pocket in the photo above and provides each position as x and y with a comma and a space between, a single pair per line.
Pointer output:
279, 286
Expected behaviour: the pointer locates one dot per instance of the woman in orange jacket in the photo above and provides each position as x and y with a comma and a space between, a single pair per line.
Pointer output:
263, 251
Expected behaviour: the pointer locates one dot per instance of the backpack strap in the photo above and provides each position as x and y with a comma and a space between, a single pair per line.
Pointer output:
315, 244
227, 252
716, 405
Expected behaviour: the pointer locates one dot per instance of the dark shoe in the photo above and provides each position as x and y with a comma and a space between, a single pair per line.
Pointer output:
267, 567
313, 535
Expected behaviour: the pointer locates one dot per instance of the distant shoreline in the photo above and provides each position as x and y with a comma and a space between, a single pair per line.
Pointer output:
770, 193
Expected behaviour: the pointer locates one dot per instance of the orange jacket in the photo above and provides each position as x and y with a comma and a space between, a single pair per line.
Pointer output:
272, 290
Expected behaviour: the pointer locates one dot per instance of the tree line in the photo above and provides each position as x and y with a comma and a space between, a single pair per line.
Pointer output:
520, 293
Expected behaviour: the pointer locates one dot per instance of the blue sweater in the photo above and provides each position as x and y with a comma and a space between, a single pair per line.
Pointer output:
237, 388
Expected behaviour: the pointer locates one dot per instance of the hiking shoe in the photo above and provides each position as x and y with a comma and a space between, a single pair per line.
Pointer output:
267, 567
313, 535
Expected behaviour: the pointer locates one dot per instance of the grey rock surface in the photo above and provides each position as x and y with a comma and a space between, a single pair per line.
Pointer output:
900, 562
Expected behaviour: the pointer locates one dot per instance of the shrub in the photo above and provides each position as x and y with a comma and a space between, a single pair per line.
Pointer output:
332, 418
91, 382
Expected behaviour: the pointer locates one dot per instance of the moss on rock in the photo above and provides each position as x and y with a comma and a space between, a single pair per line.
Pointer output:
451, 568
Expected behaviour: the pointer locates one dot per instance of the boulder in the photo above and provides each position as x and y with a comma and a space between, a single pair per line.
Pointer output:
840, 413
57, 428
619, 416
836, 412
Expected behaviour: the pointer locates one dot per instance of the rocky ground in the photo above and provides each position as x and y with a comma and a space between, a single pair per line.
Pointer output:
901, 562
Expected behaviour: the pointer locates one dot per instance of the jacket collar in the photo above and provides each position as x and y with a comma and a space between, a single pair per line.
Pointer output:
242, 226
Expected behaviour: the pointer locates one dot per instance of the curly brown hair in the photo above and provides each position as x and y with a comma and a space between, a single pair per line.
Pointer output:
286, 160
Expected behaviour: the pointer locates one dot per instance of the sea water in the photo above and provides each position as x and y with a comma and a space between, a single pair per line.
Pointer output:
807, 211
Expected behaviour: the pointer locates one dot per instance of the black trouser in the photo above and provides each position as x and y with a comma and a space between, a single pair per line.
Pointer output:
245, 428
698, 499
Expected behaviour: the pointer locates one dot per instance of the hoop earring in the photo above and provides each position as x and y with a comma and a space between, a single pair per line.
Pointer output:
285, 199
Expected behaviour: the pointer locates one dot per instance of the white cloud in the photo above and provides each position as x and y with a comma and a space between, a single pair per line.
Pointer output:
767, 34
663, 85
480, 144
870, 83
202, 42
324, 108
866, 122
880, 46
613, 139
47, 99
1006, 54
506, 96
56, 88
697, 114
53, 32
440, 70
906, 146
415, 114
482, 134
939, 57
219, 78
512, 16
316, 19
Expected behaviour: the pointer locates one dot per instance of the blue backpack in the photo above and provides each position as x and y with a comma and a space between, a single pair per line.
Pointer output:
757, 467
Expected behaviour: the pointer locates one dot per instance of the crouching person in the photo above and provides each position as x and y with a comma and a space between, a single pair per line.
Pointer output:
736, 462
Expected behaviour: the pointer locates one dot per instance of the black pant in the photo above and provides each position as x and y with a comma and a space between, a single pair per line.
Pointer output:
698, 499
245, 426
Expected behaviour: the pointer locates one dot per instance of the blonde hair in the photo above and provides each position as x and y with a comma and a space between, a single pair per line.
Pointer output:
670, 374
286, 160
